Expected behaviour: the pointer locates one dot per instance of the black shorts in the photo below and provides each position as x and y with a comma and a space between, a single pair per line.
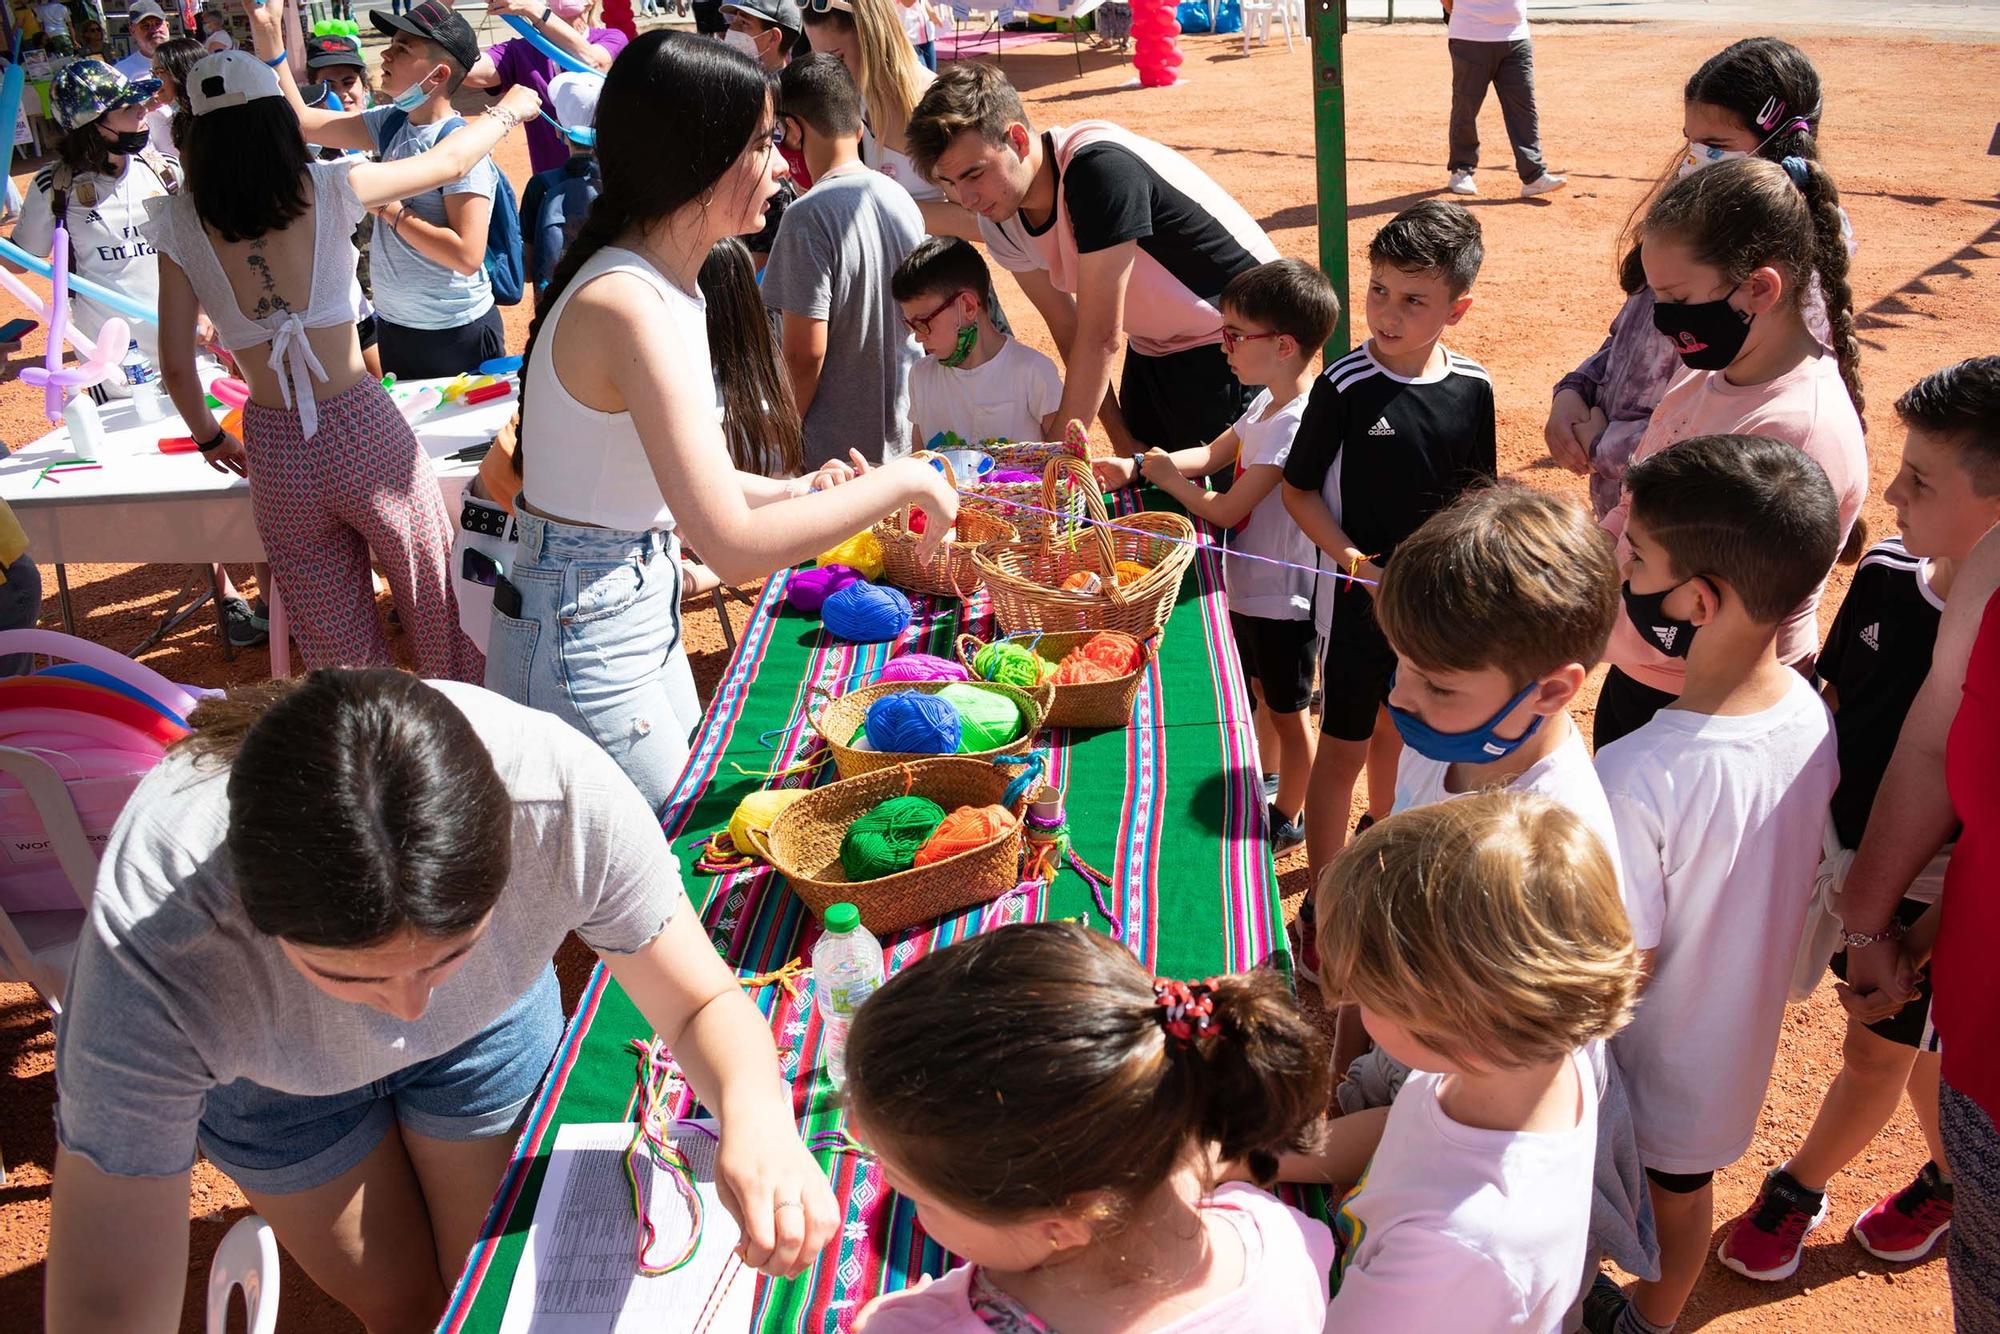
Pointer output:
1911, 1025
1182, 399
1279, 656
365, 331
1359, 667
1679, 1183
430, 354
1623, 707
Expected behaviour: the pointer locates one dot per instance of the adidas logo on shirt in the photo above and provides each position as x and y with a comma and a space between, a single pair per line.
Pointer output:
1872, 636
1381, 427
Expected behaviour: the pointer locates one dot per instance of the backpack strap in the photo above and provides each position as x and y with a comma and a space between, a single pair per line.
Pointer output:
391, 126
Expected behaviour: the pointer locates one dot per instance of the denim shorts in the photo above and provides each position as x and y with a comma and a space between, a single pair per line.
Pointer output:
282, 1143
598, 644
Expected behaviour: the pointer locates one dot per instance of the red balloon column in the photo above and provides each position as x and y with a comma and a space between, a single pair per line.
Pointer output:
1155, 42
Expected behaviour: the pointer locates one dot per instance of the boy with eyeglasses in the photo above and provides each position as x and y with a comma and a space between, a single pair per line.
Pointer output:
974, 383
842, 341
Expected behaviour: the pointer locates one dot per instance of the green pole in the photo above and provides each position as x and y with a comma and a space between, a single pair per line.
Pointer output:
1330, 149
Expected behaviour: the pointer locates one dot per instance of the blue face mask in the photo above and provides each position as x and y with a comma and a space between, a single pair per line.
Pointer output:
1479, 746
414, 96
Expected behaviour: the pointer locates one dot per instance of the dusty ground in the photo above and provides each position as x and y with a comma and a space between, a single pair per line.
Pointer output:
1918, 185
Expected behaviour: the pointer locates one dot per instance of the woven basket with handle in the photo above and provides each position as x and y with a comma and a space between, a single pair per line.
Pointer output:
948, 571
844, 714
1006, 500
1093, 704
1024, 579
805, 839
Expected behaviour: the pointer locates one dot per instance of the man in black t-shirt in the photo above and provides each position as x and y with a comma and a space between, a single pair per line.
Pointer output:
1116, 239
1391, 434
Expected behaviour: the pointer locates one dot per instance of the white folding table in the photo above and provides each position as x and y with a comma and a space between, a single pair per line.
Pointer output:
145, 507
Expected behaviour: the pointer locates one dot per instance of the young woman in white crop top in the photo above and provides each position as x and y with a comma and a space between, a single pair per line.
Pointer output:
260, 240
621, 445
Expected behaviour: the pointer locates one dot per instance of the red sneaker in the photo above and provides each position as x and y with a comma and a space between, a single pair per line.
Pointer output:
1765, 1242
1907, 1224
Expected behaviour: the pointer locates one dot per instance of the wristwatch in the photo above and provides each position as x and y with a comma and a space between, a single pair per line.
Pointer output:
548, 12
1861, 940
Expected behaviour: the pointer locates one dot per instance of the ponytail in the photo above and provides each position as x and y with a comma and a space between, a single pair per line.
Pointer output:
1053, 1077
1830, 263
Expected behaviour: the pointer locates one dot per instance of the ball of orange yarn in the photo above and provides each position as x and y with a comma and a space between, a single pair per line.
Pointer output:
1130, 571
965, 829
1080, 671
1116, 652
1083, 581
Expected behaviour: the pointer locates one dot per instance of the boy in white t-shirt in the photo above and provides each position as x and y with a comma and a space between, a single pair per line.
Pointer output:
974, 384
1720, 801
1485, 943
1274, 319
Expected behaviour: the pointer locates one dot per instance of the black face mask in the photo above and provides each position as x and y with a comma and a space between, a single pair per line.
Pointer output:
129, 142
1707, 334
1648, 614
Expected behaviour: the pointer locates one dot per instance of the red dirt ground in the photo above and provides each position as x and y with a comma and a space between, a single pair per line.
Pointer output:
1921, 196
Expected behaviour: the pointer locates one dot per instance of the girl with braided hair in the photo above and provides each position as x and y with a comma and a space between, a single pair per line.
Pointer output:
1730, 254
1056, 1132
621, 446
1759, 97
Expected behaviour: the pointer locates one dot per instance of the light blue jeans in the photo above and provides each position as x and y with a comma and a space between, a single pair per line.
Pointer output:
598, 644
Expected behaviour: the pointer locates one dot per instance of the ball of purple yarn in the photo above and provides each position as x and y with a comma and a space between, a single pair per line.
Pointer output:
810, 588
1008, 475
924, 667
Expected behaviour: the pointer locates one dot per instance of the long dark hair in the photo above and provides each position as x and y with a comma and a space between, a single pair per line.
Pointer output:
1740, 215
85, 150
175, 58
246, 166
1027, 1068
712, 96
759, 419
361, 804
1773, 89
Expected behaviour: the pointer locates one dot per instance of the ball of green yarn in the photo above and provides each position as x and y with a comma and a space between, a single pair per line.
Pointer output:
987, 719
886, 839
1008, 664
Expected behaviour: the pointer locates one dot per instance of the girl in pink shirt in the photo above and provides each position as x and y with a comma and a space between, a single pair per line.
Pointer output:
1051, 1110
1730, 253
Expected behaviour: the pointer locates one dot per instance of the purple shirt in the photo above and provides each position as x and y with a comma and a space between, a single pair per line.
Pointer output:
518, 62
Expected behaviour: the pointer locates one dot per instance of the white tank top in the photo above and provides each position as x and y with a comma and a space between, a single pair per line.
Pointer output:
587, 465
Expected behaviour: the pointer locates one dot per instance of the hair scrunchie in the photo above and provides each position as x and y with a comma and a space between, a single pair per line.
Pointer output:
1795, 167
1186, 1010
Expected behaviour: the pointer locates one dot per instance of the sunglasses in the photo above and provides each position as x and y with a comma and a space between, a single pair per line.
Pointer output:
1231, 340
821, 6
921, 326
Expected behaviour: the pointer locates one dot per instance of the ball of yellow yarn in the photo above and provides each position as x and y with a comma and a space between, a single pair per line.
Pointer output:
965, 830
1130, 571
758, 812
862, 552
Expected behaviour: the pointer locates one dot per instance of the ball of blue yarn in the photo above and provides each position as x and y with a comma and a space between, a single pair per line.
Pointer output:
866, 613
914, 722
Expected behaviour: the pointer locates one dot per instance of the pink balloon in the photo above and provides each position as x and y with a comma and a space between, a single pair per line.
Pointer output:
230, 391
1155, 42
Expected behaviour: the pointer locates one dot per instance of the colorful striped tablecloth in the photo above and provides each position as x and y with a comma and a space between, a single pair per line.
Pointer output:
1184, 845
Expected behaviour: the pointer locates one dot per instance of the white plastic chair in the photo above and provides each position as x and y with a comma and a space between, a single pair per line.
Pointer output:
36, 947
247, 1259
1259, 13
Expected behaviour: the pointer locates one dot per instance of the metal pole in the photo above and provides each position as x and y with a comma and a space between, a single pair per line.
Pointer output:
1330, 150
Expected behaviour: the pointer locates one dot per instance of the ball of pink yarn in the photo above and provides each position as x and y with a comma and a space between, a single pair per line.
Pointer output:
924, 667
810, 588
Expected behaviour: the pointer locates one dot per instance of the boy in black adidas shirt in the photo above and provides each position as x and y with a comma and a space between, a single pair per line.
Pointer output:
1392, 433
1946, 496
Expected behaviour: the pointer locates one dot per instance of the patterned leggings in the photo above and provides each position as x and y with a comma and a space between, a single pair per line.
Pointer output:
360, 486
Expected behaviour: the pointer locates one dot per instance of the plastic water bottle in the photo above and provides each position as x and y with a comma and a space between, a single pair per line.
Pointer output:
847, 970
138, 370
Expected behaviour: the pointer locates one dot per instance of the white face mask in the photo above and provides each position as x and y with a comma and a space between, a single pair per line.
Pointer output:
744, 42
1697, 156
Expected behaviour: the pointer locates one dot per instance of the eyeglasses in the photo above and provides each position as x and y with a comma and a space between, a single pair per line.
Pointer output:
1231, 340
921, 326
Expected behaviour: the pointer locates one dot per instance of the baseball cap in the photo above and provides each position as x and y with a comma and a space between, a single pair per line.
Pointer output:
779, 13
86, 89
433, 22
334, 49
574, 97
230, 79
144, 10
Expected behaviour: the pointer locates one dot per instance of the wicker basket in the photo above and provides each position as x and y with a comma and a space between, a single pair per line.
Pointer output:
844, 715
948, 571
1095, 704
1024, 579
1003, 500
805, 844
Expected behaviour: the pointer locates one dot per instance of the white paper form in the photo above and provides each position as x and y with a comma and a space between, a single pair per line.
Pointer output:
578, 1274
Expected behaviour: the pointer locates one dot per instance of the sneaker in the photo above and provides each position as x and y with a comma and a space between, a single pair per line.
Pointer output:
1461, 183
1542, 185
1364, 824
1907, 1224
243, 626
1602, 1305
1270, 787
1305, 945
1285, 834
1764, 1243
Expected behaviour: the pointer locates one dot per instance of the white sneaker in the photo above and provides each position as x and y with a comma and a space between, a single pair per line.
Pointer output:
1462, 184
1542, 185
